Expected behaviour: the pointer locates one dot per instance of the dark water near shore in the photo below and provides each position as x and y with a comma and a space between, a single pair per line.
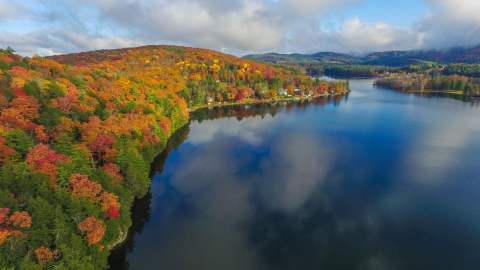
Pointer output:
375, 180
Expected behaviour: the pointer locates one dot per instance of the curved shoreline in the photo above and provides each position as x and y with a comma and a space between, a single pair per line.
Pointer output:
125, 233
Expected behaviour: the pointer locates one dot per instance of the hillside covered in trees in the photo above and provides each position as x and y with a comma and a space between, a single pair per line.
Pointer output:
453, 61
467, 55
78, 133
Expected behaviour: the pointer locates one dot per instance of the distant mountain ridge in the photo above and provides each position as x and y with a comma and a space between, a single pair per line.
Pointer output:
469, 55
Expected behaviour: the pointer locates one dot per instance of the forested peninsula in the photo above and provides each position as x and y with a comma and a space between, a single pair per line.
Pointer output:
427, 83
78, 133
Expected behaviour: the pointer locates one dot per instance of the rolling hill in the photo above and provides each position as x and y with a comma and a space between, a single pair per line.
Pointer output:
469, 55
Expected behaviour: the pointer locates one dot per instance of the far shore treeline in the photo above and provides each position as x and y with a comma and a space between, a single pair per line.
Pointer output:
454, 71
423, 83
78, 133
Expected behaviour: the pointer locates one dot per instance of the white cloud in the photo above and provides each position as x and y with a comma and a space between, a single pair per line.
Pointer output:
239, 25
448, 23
451, 23
10, 10
236, 26
313, 7
56, 41
356, 35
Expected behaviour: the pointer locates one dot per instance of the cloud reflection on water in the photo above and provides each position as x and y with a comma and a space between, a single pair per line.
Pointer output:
441, 143
249, 130
296, 167
209, 238
338, 189
221, 198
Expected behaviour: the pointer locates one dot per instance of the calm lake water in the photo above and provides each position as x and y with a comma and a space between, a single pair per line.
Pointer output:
375, 180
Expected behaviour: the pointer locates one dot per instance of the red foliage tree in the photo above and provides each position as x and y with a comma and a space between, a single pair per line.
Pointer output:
165, 124
113, 212
110, 205
18, 71
44, 160
101, 145
5, 150
269, 74
243, 93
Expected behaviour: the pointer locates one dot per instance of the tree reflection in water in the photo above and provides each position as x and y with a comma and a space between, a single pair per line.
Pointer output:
141, 210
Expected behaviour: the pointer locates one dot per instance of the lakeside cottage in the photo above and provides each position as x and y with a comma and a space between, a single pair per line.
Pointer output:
210, 100
282, 92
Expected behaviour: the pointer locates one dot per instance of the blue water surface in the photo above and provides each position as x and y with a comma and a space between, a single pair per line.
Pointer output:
375, 180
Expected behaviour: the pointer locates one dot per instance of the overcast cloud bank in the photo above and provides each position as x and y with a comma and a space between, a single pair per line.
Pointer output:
236, 26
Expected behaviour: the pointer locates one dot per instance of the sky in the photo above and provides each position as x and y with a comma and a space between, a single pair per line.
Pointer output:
47, 27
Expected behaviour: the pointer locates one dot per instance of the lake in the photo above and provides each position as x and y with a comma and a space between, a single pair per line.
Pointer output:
375, 180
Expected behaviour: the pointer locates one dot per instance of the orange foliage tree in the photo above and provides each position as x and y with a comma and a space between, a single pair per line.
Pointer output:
20, 220
10, 226
44, 255
113, 170
82, 187
93, 228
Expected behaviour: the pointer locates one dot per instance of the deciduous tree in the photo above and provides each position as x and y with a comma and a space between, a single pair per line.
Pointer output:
93, 228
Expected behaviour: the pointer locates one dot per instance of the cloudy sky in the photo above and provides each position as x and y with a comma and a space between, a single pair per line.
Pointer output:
48, 27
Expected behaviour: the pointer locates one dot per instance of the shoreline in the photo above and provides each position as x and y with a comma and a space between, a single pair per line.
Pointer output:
458, 93
445, 92
125, 232
261, 101
449, 92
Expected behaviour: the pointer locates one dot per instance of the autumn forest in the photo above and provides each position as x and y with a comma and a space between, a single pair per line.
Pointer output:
78, 133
